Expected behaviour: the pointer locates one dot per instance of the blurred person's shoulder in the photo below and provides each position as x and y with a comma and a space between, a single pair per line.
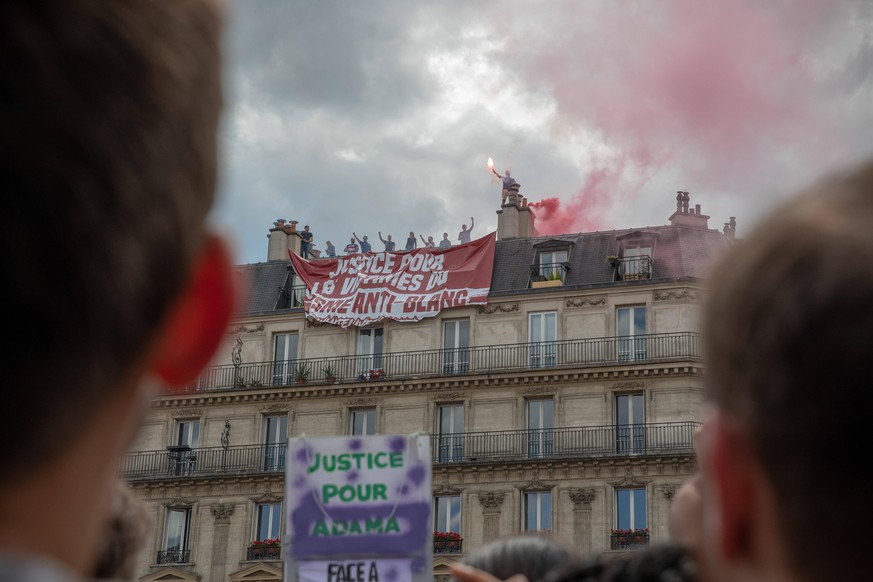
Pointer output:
15, 568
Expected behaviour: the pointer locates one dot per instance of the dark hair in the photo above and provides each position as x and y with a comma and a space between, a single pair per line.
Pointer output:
109, 113
532, 555
789, 330
659, 564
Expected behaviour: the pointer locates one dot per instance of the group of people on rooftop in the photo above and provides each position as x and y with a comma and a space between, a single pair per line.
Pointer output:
362, 244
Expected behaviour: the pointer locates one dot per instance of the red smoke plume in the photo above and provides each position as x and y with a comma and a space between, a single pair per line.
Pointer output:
719, 93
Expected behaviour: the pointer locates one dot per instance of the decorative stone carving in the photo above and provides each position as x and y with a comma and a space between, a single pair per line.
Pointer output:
276, 408
188, 412
582, 498
535, 390
244, 329
449, 396
491, 500
669, 491
178, 502
360, 401
598, 301
446, 489
630, 386
221, 511
267, 497
537, 485
316, 323
498, 308
677, 295
630, 481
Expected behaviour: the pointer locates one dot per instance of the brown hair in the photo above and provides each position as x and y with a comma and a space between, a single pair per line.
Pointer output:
109, 113
789, 331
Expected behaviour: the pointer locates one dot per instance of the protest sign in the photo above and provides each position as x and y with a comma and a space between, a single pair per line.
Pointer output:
358, 509
361, 289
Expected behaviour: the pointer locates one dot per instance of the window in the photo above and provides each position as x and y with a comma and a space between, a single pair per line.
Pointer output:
538, 511
268, 527
284, 357
630, 509
268, 520
630, 423
450, 421
456, 346
363, 421
370, 350
176, 532
630, 327
636, 263
543, 332
447, 521
551, 264
540, 427
183, 452
275, 441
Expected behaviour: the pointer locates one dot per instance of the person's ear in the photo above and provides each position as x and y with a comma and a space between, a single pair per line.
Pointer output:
732, 470
198, 321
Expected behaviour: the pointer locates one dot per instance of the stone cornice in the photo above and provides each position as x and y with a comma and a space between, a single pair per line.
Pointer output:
530, 377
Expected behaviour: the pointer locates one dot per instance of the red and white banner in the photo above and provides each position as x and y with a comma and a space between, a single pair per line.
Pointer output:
366, 288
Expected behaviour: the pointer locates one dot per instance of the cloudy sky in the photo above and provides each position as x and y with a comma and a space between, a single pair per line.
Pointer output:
380, 115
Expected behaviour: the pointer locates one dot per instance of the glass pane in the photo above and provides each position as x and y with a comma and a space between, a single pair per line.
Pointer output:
622, 411
455, 518
377, 340
531, 518
458, 418
365, 343
551, 327
439, 519
548, 408
446, 420
279, 355
371, 422
546, 510
639, 321
534, 411
639, 415
176, 524
536, 333
622, 321
464, 334
640, 509
357, 423
449, 335
623, 509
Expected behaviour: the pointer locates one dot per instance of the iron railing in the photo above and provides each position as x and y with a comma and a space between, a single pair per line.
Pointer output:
470, 447
264, 553
634, 541
173, 557
632, 268
551, 271
447, 362
205, 461
448, 546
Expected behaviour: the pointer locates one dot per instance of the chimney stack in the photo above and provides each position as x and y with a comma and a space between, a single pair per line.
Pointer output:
515, 219
283, 236
684, 216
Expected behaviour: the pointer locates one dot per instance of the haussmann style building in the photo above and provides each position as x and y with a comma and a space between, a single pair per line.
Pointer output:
567, 403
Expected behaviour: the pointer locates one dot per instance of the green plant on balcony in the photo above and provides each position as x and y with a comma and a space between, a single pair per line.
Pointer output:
329, 373
301, 373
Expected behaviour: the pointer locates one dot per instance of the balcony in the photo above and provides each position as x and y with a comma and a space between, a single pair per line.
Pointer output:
580, 353
548, 275
629, 540
670, 438
634, 268
264, 552
173, 557
448, 546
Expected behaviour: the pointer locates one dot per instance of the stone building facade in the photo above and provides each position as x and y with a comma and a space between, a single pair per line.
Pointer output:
567, 403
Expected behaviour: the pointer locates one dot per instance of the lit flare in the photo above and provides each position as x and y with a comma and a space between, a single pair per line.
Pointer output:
490, 164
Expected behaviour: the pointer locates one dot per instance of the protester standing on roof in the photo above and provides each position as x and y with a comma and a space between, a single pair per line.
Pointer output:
464, 235
352, 247
365, 245
389, 244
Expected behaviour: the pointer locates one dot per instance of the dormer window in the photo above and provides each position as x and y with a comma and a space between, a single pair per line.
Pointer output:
551, 263
635, 256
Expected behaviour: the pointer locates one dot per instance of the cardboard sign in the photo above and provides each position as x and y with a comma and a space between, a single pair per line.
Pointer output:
359, 509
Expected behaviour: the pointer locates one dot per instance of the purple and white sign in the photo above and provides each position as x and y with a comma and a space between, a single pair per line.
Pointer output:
358, 508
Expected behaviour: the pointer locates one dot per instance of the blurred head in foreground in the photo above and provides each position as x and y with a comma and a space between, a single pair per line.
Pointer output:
533, 556
789, 333
109, 113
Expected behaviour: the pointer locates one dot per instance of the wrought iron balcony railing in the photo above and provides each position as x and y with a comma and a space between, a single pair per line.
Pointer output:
264, 553
632, 268
634, 541
471, 447
448, 546
590, 352
173, 557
